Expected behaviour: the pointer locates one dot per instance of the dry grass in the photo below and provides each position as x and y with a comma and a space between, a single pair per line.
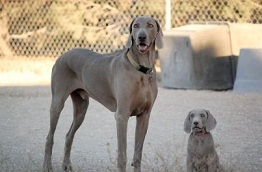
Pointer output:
172, 161
22, 71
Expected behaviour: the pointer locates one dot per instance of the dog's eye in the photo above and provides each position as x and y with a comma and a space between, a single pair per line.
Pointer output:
202, 115
192, 115
150, 25
136, 26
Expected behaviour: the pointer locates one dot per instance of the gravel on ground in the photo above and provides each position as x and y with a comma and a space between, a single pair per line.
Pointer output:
24, 124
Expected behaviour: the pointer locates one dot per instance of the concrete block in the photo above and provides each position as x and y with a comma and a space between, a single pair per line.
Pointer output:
245, 35
197, 57
249, 71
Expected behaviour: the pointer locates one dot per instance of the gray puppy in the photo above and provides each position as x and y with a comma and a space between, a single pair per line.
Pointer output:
201, 153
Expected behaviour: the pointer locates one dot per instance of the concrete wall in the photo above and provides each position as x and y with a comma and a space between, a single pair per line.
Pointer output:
204, 56
194, 58
249, 71
245, 36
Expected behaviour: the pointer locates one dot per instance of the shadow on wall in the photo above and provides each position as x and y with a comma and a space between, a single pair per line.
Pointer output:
187, 64
205, 55
213, 72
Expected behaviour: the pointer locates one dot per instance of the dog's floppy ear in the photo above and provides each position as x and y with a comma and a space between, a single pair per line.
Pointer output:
187, 124
130, 41
211, 122
159, 36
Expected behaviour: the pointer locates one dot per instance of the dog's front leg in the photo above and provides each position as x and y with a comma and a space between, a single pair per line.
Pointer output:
121, 125
189, 163
141, 130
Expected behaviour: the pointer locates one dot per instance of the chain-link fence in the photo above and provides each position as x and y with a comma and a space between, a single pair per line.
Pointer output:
49, 27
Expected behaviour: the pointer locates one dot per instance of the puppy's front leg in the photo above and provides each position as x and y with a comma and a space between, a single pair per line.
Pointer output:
189, 163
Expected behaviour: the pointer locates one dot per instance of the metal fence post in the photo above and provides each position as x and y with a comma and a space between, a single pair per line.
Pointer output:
168, 15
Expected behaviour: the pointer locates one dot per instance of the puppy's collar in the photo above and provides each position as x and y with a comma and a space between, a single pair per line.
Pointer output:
139, 67
200, 134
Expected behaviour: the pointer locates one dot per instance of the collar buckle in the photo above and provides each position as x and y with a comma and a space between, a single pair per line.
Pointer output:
150, 71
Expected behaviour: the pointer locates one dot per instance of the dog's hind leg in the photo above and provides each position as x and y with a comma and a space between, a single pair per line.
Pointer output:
57, 105
80, 105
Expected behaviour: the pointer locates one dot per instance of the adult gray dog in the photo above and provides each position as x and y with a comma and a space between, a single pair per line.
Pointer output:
125, 84
201, 153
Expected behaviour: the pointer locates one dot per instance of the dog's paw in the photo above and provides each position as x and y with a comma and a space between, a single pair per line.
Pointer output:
67, 167
47, 168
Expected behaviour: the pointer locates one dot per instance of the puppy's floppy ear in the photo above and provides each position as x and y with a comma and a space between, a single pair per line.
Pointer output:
130, 41
211, 122
159, 36
187, 124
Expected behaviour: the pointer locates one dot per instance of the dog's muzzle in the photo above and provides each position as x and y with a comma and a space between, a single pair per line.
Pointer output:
197, 129
142, 47
142, 42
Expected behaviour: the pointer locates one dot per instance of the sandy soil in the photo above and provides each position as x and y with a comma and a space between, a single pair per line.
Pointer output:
24, 122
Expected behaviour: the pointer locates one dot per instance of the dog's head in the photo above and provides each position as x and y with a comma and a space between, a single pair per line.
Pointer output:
199, 121
145, 32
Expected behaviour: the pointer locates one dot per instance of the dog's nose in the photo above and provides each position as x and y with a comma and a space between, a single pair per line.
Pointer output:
142, 37
196, 123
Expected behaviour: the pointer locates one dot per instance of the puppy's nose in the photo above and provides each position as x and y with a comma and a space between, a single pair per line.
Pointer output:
142, 37
196, 123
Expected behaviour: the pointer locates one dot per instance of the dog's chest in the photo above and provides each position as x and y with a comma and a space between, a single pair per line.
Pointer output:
200, 146
144, 96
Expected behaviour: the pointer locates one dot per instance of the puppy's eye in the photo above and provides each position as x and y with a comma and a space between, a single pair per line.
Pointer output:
192, 115
202, 115
136, 26
150, 25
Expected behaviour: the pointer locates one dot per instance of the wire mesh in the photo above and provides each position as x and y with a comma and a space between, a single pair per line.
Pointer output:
49, 27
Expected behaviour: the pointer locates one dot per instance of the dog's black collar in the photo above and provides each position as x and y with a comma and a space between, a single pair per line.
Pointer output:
139, 67
145, 70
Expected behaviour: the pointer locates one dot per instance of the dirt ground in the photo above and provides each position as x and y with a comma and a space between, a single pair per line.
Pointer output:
24, 122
